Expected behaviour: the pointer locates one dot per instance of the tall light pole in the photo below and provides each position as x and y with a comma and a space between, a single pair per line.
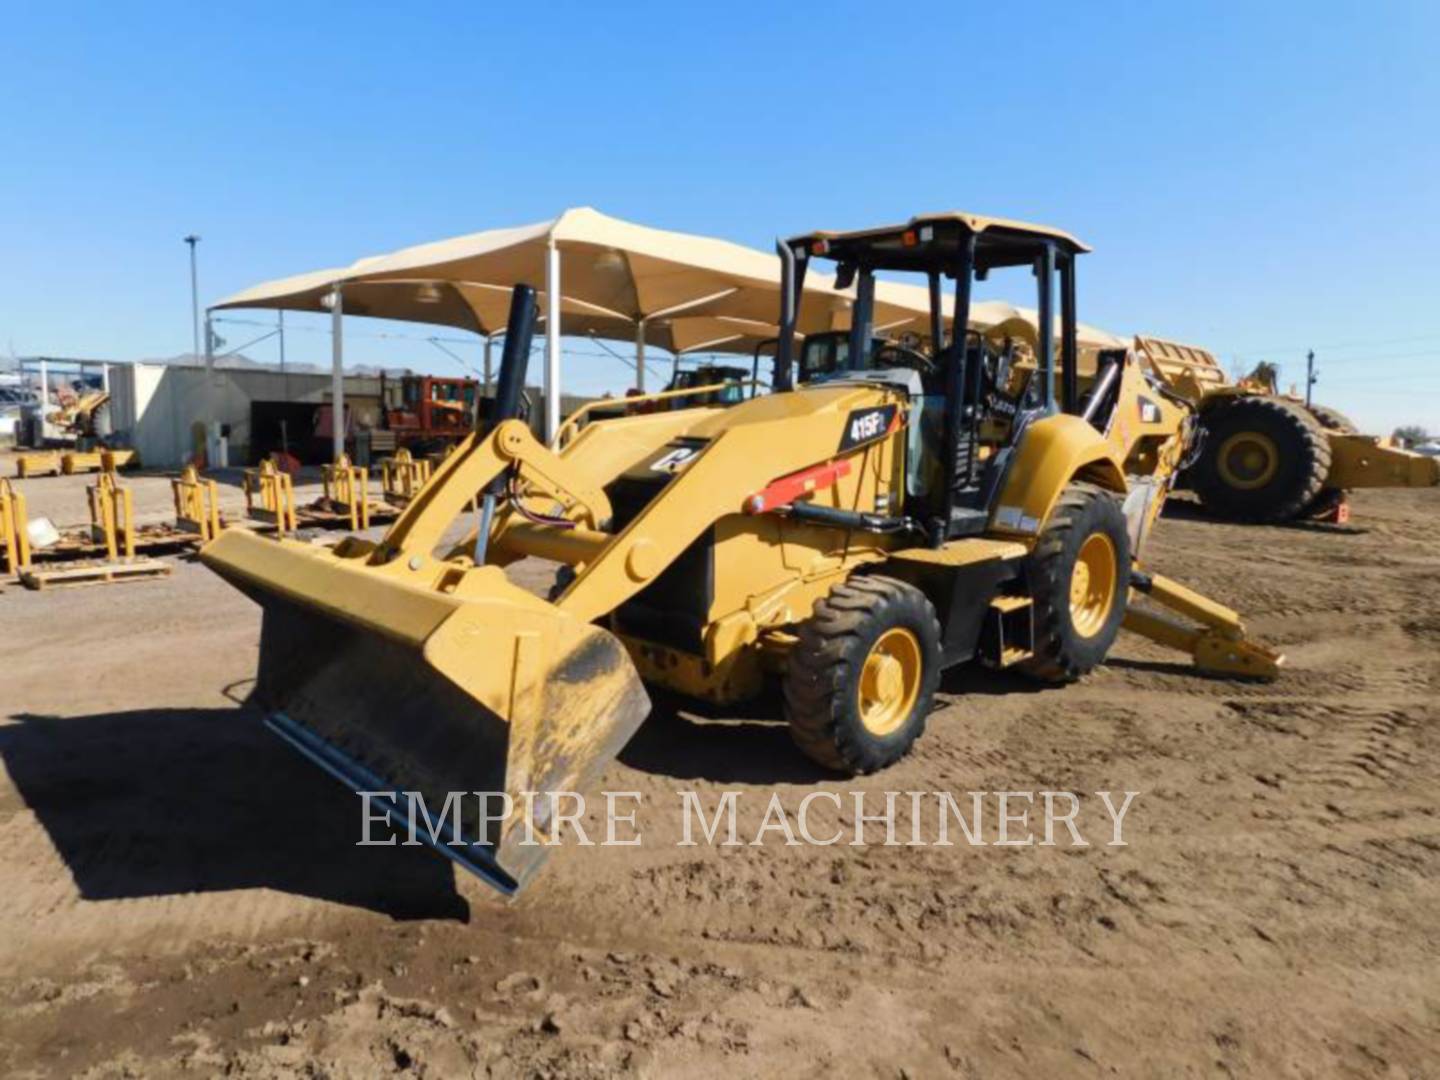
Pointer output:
192, 240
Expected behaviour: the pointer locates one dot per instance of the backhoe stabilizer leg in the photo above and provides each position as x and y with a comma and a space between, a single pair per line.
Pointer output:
1218, 644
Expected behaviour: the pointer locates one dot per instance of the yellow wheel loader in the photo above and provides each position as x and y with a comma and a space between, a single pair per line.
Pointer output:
85, 416
849, 537
1270, 457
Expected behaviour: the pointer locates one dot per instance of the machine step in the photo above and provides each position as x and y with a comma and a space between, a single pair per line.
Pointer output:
1009, 633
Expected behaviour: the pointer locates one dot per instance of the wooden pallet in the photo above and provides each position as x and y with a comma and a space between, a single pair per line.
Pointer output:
325, 514
81, 544
93, 572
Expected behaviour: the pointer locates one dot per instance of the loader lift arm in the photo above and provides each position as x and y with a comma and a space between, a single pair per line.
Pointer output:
735, 464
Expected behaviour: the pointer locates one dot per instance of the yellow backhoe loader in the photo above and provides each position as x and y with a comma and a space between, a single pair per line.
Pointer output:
1265, 456
850, 537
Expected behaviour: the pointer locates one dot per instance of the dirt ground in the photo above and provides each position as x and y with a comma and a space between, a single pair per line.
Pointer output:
180, 894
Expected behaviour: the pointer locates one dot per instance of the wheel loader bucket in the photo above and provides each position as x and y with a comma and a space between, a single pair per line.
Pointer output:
478, 695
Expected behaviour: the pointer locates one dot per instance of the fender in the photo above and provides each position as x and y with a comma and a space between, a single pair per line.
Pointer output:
1053, 452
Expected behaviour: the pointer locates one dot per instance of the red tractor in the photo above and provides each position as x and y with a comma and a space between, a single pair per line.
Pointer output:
426, 412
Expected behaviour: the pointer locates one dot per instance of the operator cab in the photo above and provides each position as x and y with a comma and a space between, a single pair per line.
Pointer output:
826, 353
970, 403
730, 379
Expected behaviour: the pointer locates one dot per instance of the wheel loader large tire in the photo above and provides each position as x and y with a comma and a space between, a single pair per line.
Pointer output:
1333, 419
1079, 577
1324, 506
1264, 460
861, 679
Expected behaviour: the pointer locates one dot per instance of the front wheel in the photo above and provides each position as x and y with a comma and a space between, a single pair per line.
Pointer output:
1079, 576
860, 680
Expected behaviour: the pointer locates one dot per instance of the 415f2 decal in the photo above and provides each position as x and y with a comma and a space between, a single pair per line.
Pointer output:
867, 425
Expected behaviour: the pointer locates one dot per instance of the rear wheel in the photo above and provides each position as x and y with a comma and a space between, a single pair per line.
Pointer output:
859, 682
1079, 576
1264, 460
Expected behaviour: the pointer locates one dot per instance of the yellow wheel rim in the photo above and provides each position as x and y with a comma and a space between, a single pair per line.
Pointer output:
889, 681
1092, 585
1248, 460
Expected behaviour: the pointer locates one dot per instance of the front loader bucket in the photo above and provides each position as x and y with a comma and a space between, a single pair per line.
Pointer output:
397, 687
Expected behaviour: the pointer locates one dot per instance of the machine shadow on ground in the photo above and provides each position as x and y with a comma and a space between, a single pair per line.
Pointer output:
735, 744
1189, 510
170, 801
750, 743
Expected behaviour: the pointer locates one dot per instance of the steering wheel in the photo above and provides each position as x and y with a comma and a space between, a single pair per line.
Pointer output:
901, 356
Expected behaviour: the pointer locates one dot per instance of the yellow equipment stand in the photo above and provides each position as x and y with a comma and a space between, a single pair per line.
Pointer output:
347, 491
37, 463
14, 537
270, 497
402, 476
102, 460
112, 530
197, 505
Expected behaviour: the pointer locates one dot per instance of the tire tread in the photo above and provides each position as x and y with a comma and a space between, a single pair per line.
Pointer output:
819, 664
1307, 433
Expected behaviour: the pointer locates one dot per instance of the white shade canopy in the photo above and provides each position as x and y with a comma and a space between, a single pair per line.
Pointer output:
690, 291
616, 276
609, 279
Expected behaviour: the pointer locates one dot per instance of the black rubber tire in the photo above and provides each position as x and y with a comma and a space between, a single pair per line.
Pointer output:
1333, 419
564, 578
1304, 460
1323, 505
1062, 654
99, 423
823, 670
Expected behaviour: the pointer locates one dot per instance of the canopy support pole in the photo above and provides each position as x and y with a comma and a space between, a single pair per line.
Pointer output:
640, 355
280, 329
337, 375
489, 367
211, 435
552, 341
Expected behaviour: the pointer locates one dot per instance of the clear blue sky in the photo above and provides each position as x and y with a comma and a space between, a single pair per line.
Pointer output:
1257, 178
